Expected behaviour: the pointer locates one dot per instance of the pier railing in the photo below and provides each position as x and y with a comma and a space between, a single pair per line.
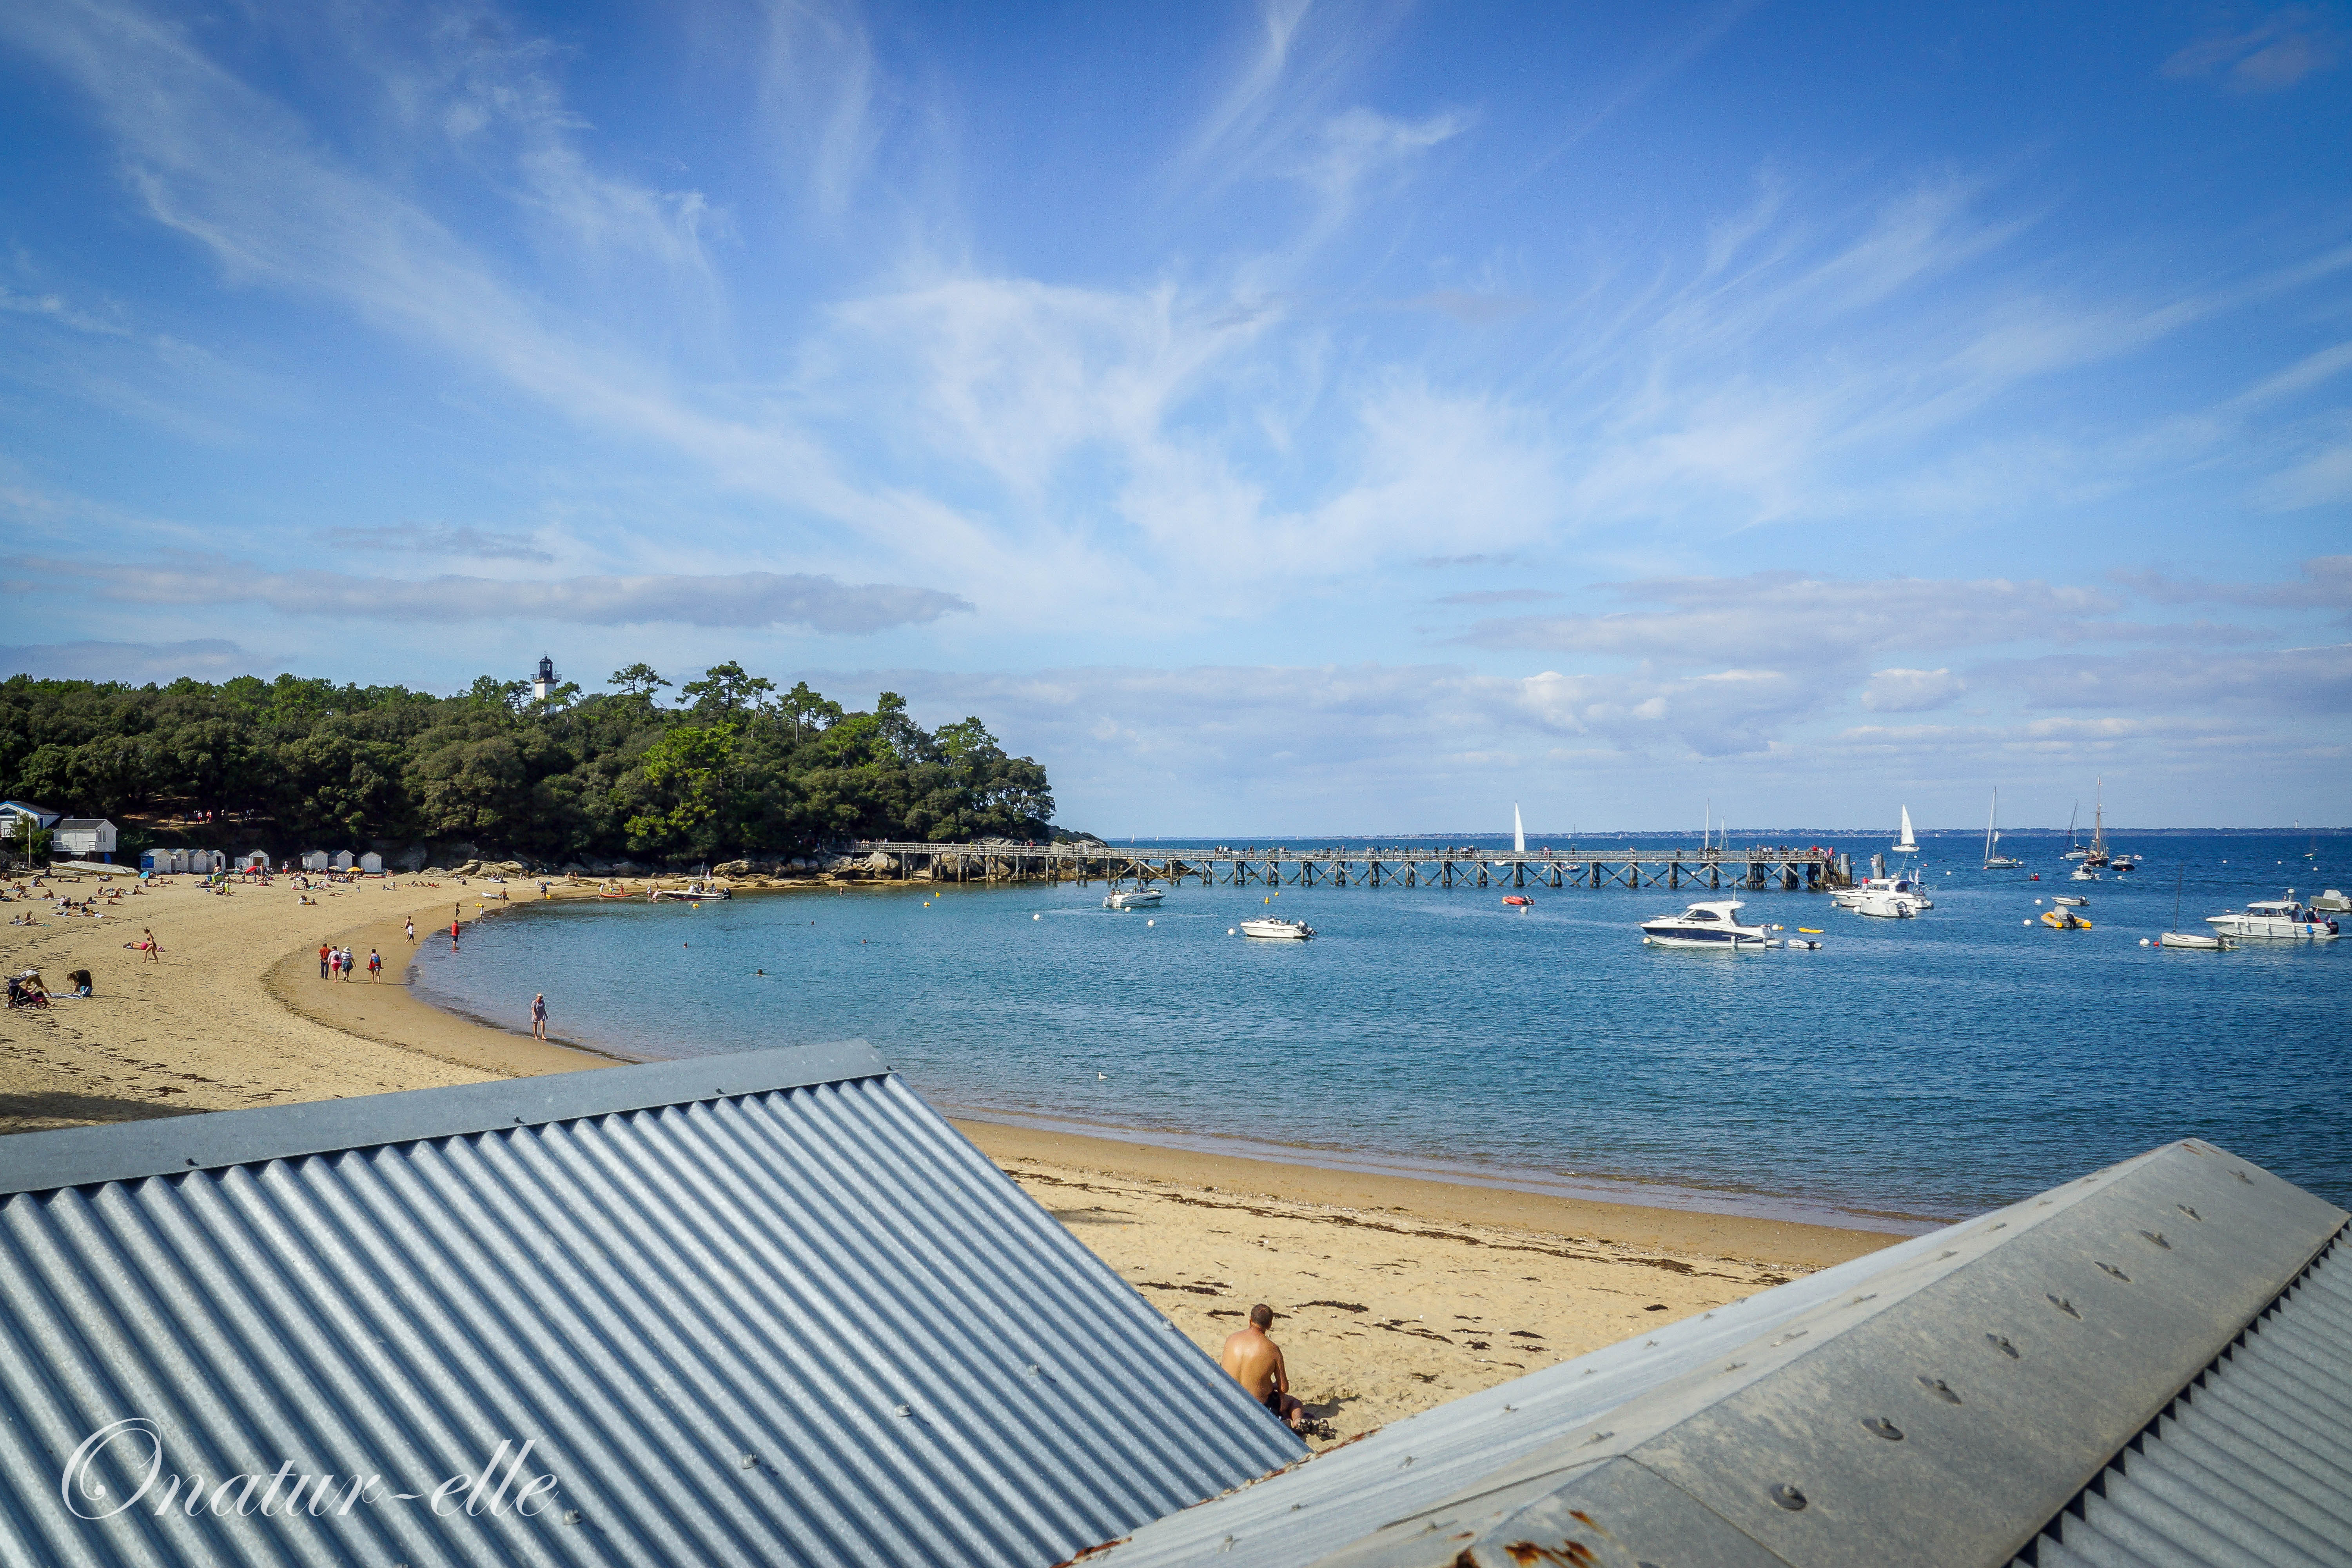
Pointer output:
1751, 867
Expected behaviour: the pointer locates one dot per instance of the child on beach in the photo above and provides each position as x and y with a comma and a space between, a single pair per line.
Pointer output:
376, 965
412, 931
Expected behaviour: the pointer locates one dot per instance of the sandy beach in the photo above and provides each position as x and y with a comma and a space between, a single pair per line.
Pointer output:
1393, 1294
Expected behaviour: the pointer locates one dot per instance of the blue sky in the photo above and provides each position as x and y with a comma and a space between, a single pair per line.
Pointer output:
1277, 419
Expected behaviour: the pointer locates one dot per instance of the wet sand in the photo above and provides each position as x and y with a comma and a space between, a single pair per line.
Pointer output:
1394, 1293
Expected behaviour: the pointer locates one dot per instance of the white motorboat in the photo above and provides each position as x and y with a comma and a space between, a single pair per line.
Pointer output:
2274, 917
1275, 930
1908, 844
2070, 898
2084, 874
1140, 898
2332, 901
1888, 907
1904, 888
1714, 925
1994, 860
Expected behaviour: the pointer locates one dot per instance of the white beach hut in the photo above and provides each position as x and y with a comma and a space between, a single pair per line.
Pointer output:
315, 860
371, 864
177, 861
254, 860
205, 861
154, 859
342, 861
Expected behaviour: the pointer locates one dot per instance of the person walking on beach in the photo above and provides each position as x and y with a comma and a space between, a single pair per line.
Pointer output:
148, 945
375, 964
539, 1016
1255, 1363
326, 957
412, 931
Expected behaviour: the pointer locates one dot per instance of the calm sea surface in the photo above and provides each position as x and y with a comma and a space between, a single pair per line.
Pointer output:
1925, 1068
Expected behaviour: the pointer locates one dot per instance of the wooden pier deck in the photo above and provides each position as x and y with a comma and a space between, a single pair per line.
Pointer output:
1751, 868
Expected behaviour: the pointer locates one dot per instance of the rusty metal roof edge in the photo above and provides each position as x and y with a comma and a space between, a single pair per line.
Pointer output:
127, 1151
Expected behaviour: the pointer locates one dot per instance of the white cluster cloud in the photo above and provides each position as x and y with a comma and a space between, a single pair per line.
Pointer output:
1912, 691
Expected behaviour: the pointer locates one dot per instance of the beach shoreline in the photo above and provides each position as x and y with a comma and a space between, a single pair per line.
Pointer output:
1393, 1291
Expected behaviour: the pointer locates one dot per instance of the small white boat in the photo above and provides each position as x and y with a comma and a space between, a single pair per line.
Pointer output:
2084, 874
1888, 907
2274, 917
1714, 925
2070, 898
1140, 898
1273, 929
2194, 941
2332, 901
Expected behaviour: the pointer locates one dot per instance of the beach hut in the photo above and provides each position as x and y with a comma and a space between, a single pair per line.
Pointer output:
315, 860
204, 862
371, 864
343, 861
155, 860
760, 1308
82, 838
177, 861
254, 860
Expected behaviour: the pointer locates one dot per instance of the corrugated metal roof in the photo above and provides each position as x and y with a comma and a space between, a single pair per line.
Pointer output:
1938, 1400
762, 1308
2252, 1463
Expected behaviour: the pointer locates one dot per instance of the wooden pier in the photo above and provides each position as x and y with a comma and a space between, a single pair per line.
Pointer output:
1752, 868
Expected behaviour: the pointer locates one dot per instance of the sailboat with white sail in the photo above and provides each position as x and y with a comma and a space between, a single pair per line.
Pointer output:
2073, 851
1519, 831
1908, 844
1994, 860
2096, 856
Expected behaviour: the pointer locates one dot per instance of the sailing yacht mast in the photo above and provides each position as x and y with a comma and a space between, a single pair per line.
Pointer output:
1992, 834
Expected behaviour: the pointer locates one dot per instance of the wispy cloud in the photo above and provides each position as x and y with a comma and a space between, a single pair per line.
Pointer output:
429, 540
2284, 48
744, 599
2305, 681
2325, 584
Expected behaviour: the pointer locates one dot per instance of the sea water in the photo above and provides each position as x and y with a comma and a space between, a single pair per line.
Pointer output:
1909, 1070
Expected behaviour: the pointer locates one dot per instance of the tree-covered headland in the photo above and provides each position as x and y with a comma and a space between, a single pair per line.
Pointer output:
717, 768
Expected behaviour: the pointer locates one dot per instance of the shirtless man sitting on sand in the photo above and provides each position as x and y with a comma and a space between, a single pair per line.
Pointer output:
1255, 1363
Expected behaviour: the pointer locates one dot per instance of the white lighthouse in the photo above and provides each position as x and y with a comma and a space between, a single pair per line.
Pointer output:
545, 683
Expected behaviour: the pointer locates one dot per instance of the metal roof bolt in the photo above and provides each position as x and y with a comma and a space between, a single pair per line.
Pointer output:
2191, 1213
2243, 1177
1599, 1437
2114, 1271
1940, 1389
1880, 1427
1788, 1496
905, 1410
2002, 1345
191, 1159
570, 1516
750, 1462
2063, 1305
1033, 1368
517, 1122
1408, 1463
2157, 1236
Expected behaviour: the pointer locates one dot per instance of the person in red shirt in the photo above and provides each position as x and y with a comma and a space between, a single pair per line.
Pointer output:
326, 955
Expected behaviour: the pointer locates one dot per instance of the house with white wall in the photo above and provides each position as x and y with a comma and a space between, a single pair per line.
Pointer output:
81, 839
